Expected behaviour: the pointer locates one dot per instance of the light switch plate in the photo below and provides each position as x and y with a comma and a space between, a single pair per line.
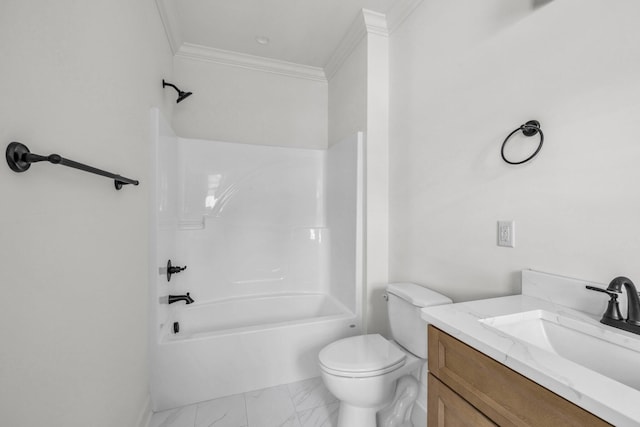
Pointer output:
506, 234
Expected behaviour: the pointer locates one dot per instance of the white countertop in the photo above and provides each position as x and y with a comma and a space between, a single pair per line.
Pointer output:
612, 401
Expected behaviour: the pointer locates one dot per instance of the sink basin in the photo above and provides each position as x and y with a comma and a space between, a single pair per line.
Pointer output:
594, 346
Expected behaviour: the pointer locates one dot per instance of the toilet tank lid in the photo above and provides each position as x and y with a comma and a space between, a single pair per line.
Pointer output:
417, 295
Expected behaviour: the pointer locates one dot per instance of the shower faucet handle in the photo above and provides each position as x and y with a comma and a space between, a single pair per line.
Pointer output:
173, 269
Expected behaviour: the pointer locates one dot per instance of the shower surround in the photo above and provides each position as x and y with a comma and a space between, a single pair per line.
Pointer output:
272, 240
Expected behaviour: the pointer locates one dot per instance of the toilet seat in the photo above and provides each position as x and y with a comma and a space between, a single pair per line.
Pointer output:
361, 356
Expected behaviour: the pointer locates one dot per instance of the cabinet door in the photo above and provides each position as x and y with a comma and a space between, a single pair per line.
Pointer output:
503, 395
447, 409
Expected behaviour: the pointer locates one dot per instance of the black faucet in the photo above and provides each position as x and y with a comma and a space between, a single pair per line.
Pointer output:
175, 298
612, 316
633, 309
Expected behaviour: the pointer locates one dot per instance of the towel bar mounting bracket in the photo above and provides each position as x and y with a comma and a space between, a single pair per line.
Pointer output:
15, 157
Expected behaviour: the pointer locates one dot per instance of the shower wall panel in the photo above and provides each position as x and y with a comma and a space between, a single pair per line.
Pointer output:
251, 220
164, 211
344, 183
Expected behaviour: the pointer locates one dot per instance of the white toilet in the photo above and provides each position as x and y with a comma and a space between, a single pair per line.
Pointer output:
361, 371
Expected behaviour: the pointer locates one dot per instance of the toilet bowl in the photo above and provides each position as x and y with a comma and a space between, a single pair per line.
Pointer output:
361, 371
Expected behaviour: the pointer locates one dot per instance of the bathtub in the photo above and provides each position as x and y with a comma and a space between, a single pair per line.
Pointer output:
237, 345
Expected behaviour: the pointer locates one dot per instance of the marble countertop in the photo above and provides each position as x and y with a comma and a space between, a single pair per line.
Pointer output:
612, 401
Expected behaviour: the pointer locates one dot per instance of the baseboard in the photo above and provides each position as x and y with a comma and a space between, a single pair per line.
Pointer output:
145, 413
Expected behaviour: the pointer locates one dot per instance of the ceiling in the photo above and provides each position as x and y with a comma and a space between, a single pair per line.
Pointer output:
303, 32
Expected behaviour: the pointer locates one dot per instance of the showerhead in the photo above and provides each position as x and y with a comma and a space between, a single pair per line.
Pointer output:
181, 95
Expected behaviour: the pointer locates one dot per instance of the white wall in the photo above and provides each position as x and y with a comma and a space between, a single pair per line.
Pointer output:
377, 181
78, 79
238, 104
458, 88
348, 96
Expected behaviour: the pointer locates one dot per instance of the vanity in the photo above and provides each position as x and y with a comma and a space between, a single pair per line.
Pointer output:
462, 379
541, 358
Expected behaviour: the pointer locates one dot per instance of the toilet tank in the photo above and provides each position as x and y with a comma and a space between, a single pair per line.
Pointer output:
405, 300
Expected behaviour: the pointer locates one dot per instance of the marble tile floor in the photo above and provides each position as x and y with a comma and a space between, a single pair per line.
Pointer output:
302, 404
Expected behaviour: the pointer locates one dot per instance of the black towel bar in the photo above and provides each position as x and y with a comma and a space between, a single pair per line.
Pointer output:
20, 158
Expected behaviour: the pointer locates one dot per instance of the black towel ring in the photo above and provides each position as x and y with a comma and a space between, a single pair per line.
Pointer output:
530, 128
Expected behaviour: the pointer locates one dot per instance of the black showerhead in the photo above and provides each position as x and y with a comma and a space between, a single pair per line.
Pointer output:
181, 95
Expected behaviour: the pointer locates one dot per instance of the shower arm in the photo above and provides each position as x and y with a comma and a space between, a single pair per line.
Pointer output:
172, 85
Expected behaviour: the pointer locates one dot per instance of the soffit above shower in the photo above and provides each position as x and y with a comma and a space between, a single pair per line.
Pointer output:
301, 32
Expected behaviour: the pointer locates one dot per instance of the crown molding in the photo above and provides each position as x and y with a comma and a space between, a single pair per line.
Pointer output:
375, 22
368, 22
351, 39
243, 60
399, 12
168, 12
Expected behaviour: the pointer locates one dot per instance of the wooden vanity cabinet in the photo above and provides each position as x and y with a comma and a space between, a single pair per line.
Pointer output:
468, 388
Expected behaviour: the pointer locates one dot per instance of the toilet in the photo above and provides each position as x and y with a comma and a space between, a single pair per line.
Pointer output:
362, 371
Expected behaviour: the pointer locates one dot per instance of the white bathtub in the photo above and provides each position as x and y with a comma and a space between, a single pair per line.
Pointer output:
242, 344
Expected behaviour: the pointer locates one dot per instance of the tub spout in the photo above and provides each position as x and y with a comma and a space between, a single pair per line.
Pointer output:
175, 298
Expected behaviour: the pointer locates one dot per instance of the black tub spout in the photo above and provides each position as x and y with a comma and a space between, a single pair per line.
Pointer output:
175, 298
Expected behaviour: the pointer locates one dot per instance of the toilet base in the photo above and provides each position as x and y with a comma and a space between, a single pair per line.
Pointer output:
354, 416
398, 412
